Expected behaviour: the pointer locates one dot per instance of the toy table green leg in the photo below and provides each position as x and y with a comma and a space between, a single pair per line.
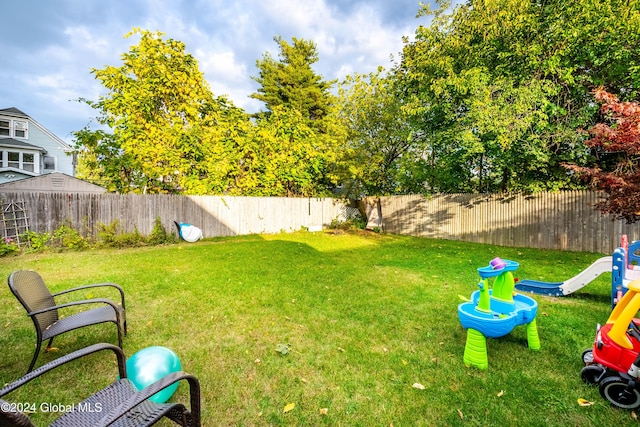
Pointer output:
475, 351
532, 335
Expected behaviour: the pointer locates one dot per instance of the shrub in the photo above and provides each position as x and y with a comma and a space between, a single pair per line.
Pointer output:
67, 237
37, 241
158, 235
8, 247
113, 236
354, 221
108, 235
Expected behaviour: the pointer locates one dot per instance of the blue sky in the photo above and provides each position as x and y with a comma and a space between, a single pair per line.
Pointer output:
49, 47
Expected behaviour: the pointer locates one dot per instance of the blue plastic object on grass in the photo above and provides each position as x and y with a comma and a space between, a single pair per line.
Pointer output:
188, 232
151, 364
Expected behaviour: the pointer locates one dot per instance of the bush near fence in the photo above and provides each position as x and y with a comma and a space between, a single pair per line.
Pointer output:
564, 220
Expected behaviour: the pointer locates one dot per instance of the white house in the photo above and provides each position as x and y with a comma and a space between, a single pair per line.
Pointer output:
29, 150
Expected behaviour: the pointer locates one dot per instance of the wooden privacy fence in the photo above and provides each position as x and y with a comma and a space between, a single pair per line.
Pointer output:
564, 220
216, 216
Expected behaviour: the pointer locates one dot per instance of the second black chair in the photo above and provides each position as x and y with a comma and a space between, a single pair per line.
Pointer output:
34, 295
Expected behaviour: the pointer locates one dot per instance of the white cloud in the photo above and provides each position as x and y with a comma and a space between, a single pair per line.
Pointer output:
228, 77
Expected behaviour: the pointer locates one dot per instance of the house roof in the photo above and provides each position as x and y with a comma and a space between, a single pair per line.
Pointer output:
55, 182
13, 111
10, 142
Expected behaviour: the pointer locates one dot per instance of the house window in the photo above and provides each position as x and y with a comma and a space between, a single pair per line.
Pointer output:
13, 159
28, 163
20, 160
49, 163
5, 128
14, 128
19, 129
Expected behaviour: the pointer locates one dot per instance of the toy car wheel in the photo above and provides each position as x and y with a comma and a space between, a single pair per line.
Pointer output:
587, 357
616, 391
592, 374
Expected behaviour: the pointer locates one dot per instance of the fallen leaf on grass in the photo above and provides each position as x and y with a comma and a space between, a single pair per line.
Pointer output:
283, 349
289, 407
584, 402
404, 362
500, 393
460, 414
634, 415
51, 349
324, 411
418, 386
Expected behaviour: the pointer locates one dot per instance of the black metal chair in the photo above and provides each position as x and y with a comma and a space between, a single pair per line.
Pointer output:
119, 404
41, 307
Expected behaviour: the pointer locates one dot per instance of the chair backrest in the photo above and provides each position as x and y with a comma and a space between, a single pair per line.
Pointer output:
12, 419
34, 295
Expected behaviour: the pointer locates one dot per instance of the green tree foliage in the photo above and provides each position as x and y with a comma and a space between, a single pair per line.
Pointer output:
103, 162
168, 128
171, 134
384, 156
283, 156
616, 141
296, 148
498, 89
291, 82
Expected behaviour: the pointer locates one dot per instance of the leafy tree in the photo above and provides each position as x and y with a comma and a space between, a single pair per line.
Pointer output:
282, 157
103, 162
166, 122
296, 145
171, 134
617, 142
381, 146
498, 89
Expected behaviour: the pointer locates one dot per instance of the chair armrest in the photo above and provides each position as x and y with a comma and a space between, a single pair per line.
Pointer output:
150, 390
122, 369
95, 285
81, 302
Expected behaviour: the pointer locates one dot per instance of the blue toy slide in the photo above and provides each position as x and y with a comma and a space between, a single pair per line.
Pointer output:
559, 289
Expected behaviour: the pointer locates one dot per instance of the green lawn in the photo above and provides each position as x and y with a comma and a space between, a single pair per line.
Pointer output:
366, 317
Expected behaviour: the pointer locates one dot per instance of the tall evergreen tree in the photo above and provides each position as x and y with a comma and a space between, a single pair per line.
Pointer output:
298, 140
291, 82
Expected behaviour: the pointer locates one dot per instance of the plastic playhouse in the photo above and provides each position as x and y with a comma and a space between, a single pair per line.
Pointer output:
613, 362
625, 268
495, 312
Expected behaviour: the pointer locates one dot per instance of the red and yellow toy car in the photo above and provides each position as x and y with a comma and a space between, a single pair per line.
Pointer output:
613, 363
